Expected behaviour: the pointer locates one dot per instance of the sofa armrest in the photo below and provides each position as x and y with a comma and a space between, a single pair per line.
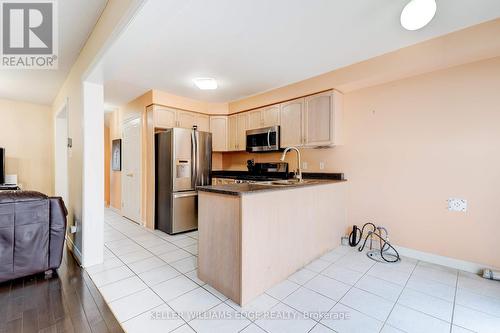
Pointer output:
58, 214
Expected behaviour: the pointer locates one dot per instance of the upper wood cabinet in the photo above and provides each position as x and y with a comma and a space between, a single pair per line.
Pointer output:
186, 119
232, 133
322, 119
165, 118
264, 117
291, 131
219, 130
202, 122
241, 131
271, 115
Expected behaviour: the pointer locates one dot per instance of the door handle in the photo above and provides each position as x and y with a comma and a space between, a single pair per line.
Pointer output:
185, 195
268, 138
129, 175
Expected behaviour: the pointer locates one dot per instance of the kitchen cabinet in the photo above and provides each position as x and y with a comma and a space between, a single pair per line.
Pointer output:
237, 127
291, 131
202, 122
165, 118
264, 117
219, 130
186, 119
322, 119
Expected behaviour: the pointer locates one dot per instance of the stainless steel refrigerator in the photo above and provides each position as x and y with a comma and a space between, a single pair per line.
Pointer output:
183, 160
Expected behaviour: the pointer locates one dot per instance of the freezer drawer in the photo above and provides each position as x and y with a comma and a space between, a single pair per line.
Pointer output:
184, 211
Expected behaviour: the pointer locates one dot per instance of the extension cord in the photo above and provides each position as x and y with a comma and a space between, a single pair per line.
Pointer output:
491, 275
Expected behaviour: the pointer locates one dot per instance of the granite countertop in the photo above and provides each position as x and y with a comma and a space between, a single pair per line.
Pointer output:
242, 189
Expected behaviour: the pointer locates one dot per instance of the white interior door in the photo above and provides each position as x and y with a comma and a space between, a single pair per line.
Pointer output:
131, 170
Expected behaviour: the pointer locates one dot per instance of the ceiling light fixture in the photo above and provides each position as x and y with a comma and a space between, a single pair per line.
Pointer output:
418, 13
205, 83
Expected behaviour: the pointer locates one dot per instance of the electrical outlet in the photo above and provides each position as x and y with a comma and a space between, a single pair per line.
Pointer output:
321, 165
73, 229
457, 205
304, 165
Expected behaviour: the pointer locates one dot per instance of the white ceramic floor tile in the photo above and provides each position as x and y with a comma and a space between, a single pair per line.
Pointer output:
356, 262
252, 328
193, 275
184, 329
232, 321
125, 287
390, 329
111, 275
193, 249
430, 305
489, 305
215, 292
286, 320
478, 285
193, 303
157, 320
157, 241
475, 320
283, 289
448, 277
413, 321
130, 306
328, 287
312, 304
131, 257
302, 276
342, 274
432, 288
318, 265
367, 303
379, 287
320, 328
174, 287
176, 255
158, 275
331, 256
145, 265
394, 276
127, 249
255, 308
108, 263
185, 265
165, 247
346, 320
458, 329
188, 241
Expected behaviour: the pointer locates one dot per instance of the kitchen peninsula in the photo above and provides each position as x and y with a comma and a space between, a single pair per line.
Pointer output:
253, 236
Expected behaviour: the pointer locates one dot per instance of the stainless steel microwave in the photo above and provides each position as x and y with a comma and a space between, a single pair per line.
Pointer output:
263, 139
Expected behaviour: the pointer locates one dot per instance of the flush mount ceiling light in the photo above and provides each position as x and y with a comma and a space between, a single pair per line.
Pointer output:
418, 13
205, 83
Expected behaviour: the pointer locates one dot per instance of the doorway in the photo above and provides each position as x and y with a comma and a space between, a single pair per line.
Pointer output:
61, 153
131, 170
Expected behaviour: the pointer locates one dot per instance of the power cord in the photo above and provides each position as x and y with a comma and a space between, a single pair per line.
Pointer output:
385, 246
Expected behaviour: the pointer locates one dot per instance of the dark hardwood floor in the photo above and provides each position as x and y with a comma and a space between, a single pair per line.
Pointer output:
66, 302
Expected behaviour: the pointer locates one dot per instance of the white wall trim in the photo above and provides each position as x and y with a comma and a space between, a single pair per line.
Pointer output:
441, 260
93, 175
74, 249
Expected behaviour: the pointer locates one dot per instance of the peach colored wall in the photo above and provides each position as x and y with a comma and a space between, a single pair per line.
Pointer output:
115, 180
461, 47
27, 136
412, 144
107, 162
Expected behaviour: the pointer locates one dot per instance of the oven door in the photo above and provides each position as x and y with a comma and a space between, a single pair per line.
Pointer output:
263, 139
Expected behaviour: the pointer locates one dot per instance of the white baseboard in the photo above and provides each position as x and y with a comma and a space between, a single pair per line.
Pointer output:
114, 210
441, 260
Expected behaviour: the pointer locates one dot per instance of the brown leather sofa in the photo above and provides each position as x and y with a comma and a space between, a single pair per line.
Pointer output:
32, 230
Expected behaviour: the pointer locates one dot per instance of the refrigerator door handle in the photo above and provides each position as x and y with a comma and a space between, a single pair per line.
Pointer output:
194, 149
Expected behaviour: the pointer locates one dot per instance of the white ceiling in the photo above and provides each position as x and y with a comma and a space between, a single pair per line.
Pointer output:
76, 20
254, 46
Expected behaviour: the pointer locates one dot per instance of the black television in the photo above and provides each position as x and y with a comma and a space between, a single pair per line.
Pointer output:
2, 166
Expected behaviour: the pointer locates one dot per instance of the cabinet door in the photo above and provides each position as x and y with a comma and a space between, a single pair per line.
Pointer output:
232, 132
318, 120
241, 135
186, 119
254, 119
291, 114
218, 127
165, 118
203, 122
271, 116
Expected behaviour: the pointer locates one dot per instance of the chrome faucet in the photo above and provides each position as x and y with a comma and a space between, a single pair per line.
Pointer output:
298, 174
